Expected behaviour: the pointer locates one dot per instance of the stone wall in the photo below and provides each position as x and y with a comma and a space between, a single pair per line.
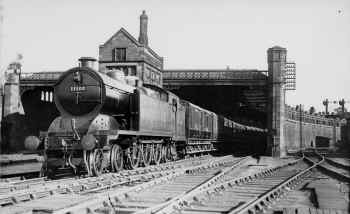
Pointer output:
303, 131
12, 120
345, 133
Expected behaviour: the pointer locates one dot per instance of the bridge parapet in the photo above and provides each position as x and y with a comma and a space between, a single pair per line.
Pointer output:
295, 114
215, 74
214, 77
39, 78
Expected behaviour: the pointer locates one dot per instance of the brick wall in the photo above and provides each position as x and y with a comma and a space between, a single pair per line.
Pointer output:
133, 52
148, 64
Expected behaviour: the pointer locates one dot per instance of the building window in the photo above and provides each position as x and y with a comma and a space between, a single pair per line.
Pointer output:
119, 54
132, 70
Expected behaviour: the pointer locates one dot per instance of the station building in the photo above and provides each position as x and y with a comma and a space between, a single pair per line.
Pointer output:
134, 57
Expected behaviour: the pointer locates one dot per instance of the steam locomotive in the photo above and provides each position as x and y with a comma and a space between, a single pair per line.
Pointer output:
110, 122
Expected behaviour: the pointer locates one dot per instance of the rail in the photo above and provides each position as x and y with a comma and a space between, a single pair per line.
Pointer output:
167, 207
19, 191
257, 203
107, 199
333, 169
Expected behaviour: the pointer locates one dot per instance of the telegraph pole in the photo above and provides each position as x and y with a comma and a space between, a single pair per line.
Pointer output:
326, 103
341, 103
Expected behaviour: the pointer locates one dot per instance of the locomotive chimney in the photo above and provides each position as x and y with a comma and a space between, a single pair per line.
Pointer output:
88, 62
143, 38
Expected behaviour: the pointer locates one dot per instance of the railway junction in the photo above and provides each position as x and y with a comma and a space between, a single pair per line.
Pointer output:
223, 141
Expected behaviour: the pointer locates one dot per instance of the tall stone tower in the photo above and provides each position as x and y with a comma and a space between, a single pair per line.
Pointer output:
276, 57
143, 38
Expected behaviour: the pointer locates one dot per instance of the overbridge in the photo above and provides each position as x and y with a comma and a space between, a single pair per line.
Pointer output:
235, 90
250, 86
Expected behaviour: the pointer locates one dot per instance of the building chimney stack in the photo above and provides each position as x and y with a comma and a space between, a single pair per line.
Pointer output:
143, 38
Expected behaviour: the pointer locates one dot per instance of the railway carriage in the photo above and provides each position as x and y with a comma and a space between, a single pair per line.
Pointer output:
235, 138
201, 128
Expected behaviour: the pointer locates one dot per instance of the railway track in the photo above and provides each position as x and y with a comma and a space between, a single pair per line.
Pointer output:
340, 162
167, 196
342, 170
323, 191
94, 188
237, 195
16, 184
211, 187
13, 192
330, 167
246, 194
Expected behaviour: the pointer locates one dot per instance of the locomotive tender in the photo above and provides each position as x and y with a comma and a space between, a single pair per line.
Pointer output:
109, 122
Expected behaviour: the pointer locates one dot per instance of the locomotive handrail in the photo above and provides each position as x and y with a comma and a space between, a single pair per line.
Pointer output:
76, 135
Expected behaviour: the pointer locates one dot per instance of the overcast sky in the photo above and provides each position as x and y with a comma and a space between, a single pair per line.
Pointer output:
53, 34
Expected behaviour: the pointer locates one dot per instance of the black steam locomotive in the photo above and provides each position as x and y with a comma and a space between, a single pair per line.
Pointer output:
109, 122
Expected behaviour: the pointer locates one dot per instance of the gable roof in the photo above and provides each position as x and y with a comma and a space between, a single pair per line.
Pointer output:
134, 40
126, 33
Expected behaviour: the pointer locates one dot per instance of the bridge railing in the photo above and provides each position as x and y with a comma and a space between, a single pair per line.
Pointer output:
214, 75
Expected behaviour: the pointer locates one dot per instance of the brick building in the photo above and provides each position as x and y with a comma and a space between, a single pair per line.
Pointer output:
134, 57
